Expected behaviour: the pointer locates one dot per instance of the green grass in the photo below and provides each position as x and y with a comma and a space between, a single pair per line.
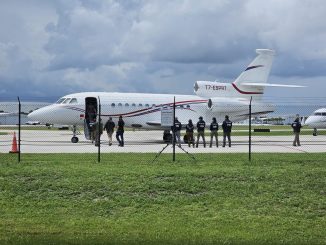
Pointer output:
125, 199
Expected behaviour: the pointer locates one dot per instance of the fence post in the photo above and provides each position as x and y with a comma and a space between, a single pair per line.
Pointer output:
19, 127
250, 129
173, 133
99, 131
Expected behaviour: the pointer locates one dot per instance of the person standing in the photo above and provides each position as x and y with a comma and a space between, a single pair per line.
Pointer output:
201, 131
227, 127
109, 127
176, 128
98, 129
296, 125
214, 128
120, 131
190, 133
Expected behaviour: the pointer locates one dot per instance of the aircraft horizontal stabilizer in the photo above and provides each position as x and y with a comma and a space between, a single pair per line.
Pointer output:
272, 85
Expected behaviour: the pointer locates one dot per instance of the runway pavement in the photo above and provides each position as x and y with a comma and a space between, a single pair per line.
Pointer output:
46, 141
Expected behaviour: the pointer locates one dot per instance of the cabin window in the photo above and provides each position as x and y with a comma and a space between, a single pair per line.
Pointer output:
153, 105
119, 104
133, 104
113, 105
126, 104
140, 104
146, 105
73, 101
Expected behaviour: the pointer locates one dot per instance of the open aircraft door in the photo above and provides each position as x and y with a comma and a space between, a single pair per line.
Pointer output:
91, 109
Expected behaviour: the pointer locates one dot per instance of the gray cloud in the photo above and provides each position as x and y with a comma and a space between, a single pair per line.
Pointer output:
51, 48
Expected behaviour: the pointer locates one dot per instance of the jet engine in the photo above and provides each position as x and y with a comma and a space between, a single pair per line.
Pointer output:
227, 105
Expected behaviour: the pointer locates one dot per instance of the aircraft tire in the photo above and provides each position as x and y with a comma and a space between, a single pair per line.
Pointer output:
167, 138
74, 139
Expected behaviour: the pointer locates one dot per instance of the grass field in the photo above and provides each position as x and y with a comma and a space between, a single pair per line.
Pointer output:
125, 199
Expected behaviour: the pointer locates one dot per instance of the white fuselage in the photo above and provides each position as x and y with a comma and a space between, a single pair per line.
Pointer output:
317, 119
144, 110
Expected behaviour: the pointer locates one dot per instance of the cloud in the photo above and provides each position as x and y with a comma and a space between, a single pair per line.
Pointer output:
51, 48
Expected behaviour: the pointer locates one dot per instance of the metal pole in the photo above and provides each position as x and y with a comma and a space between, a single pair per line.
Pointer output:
99, 131
173, 131
250, 129
19, 127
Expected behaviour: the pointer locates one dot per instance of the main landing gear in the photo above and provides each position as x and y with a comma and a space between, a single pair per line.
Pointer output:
314, 133
74, 138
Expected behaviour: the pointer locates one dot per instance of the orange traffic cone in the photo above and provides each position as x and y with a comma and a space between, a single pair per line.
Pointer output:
14, 145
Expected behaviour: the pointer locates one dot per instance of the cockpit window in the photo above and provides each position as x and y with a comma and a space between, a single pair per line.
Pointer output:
317, 114
66, 101
60, 100
73, 101
323, 114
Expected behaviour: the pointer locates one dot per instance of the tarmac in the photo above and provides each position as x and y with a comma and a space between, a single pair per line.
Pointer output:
49, 141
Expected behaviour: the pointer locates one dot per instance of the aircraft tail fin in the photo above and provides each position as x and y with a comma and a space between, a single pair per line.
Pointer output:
259, 69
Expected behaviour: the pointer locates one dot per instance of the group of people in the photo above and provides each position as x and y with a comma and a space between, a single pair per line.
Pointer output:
109, 128
201, 125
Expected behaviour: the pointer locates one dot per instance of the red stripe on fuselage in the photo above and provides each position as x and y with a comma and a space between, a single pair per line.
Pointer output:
244, 92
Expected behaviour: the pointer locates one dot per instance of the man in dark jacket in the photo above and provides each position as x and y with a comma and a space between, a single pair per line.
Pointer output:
227, 127
201, 130
120, 131
176, 128
214, 128
190, 133
109, 127
296, 125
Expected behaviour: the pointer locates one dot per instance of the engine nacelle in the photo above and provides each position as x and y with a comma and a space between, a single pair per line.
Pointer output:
227, 105
210, 89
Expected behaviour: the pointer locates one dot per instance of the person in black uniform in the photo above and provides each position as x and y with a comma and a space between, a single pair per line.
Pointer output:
296, 125
176, 128
227, 126
201, 130
190, 133
120, 131
214, 128
109, 127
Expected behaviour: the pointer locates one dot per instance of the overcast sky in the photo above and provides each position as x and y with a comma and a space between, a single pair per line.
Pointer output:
56, 47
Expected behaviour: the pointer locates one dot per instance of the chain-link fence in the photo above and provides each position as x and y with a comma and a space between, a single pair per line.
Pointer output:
269, 130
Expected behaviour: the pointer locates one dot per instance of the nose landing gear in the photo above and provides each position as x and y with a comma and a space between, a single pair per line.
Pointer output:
74, 138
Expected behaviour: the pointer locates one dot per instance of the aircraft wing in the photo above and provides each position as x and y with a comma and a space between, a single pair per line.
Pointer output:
154, 123
272, 85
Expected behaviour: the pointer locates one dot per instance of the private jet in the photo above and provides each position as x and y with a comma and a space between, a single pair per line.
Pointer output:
143, 111
317, 120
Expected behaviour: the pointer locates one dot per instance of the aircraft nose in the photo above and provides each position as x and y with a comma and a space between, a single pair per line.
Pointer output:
308, 121
43, 115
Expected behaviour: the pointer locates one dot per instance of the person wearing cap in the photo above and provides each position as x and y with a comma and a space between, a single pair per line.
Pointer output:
120, 131
190, 133
214, 128
109, 128
227, 126
296, 125
201, 130
176, 128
